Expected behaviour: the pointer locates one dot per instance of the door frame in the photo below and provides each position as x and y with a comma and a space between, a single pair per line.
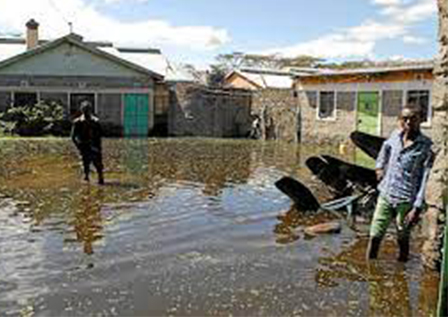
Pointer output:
150, 118
380, 108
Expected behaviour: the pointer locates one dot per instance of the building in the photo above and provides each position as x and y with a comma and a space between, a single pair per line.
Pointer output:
255, 79
123, 84
334, 103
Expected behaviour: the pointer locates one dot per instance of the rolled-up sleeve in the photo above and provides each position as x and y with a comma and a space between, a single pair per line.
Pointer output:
383, 156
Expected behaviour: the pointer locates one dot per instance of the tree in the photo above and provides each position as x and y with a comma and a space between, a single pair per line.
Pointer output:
225, 63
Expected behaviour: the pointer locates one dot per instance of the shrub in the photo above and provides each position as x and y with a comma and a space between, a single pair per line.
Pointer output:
37, 120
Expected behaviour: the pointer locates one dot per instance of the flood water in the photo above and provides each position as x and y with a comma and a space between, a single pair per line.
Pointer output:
185, 227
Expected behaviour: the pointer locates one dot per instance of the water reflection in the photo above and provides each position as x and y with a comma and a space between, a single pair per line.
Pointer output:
293, 222
187, 226
387, 281
88, 222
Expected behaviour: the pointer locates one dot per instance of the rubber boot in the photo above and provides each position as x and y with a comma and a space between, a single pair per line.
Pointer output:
403, 247
373, 248
86, 172
100, 178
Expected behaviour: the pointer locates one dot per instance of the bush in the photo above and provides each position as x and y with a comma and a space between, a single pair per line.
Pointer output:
36, 120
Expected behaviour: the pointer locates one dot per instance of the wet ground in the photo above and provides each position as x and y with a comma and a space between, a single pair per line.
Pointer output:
184, 227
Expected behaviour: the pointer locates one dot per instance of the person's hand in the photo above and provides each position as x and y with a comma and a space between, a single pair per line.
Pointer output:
412, 217
379, 174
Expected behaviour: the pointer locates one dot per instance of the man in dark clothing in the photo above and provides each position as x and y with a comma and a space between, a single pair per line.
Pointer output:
86, 134
402, 167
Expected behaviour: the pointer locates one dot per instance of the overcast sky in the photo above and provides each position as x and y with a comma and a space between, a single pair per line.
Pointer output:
195, 31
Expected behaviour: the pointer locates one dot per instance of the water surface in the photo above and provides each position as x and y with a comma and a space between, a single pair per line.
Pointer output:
184, 227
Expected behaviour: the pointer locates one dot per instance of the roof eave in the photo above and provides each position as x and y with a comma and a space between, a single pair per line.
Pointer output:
70, 38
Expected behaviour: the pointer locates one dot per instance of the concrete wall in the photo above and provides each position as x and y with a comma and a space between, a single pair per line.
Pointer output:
332, 130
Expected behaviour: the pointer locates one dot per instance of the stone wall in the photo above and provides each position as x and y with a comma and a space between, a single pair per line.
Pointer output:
332, 130
437, 186
197, 110
279, 114
392, 103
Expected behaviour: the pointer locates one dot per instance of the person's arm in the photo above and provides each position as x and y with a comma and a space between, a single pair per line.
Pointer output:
75, 134
418, 203
382, 160
417, 208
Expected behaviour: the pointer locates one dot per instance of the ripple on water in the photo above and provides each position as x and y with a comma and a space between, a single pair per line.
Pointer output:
182, 227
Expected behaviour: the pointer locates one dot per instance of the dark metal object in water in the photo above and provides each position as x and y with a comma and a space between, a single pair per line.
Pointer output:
306, 201
370, 144
342, 177
353, 186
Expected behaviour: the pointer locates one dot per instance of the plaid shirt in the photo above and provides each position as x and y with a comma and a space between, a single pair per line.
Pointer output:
406, 170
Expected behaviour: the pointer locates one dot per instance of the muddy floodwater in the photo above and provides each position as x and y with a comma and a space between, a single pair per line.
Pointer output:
185, 227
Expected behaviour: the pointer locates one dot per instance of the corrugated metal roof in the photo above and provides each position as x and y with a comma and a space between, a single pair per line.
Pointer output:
267, 79
371, 70
154, 62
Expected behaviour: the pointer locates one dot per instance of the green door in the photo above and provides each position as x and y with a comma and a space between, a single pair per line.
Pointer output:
367, 121
136, 115
368, 109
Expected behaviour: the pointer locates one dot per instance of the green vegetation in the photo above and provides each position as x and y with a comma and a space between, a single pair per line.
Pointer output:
38, 120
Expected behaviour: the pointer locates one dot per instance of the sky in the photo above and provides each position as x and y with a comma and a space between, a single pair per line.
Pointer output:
196, 31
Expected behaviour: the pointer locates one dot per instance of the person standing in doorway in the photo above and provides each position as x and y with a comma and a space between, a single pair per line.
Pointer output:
86, 134
402, 168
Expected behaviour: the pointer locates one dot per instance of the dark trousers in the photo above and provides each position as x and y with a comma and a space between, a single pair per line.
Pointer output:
92, 156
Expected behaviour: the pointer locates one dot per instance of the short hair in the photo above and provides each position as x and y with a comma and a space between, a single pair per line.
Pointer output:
414, 108
86, 106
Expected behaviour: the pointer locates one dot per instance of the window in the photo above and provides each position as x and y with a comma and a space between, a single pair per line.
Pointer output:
421, 99
326, 108
22, 99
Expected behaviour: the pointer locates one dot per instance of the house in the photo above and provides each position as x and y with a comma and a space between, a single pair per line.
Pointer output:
125, 85
334, 103
255, 79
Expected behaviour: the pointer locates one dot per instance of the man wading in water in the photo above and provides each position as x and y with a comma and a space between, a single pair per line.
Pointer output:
86, 134
402, 167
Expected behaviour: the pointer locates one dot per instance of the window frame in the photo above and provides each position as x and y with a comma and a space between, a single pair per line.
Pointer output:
428, 121
333, 117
